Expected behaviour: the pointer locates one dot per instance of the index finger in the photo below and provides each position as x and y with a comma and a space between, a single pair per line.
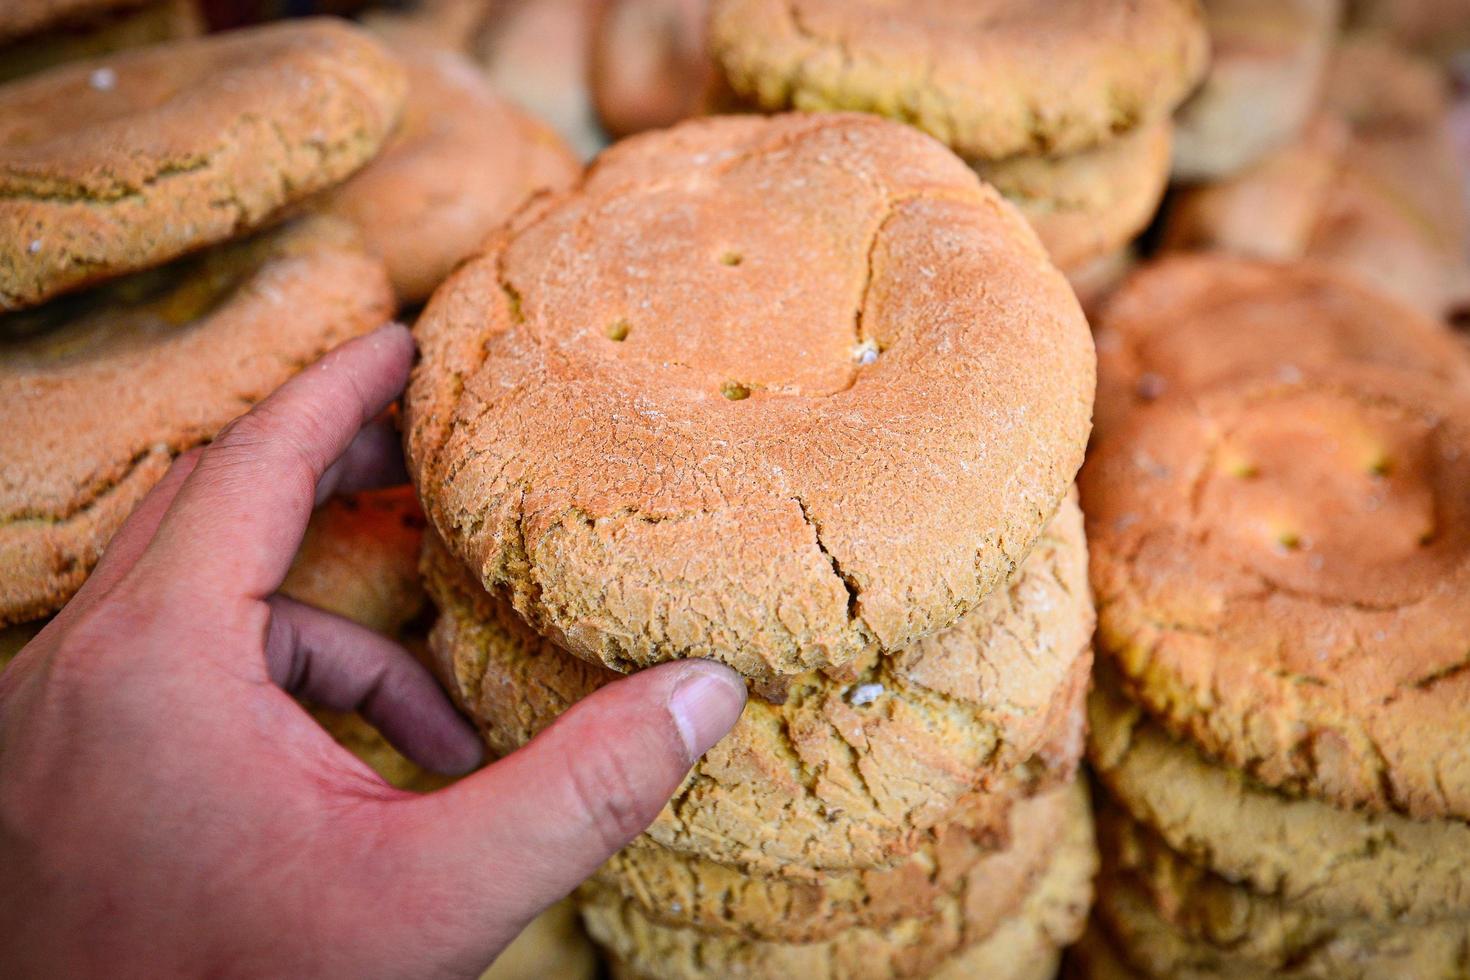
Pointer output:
239, 517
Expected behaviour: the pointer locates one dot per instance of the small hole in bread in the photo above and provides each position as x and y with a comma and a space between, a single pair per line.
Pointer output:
1242, 469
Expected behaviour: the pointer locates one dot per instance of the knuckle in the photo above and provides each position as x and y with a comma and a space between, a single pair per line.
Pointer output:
249, 429
258, 442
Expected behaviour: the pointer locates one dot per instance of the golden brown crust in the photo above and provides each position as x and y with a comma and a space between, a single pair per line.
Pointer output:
598, 436
1352, 950
965, 866
680, 890
103, 389
360, 559
1282, 570
463, 159
224, 132
1186, 322
1226, 923
155, 21
1318, 858
991, 79
1267, 62
1089, 204
1054, 898
852, 770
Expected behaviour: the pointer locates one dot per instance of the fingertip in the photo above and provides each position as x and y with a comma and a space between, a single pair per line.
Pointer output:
452, 748
705, 703
465, 756
393, 334
390, 345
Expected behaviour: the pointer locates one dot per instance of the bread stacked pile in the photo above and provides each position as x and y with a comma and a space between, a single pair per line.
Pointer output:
1064, 107
1369, 184
147, 301
1280, 533
158, 274
802, 396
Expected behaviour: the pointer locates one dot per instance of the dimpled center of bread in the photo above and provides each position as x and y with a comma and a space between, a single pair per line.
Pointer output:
745, 284
1334, 497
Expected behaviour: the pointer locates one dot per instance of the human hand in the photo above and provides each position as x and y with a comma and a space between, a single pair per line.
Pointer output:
166, 808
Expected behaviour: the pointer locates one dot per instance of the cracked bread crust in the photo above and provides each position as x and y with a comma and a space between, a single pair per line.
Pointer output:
989, 78
1089, 204
676, 889
103, 389
1231, 924
1029, 945
1186, 322
594, 433
1053, 898
1324, 860
462, 161
853, 769
1239, 594
1353, 950
223, 132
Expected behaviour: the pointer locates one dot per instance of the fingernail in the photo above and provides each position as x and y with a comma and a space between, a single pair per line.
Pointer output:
705, 703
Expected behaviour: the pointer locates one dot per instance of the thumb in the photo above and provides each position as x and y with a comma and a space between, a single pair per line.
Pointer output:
524, 832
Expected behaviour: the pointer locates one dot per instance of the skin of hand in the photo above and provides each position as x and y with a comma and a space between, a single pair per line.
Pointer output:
166, 807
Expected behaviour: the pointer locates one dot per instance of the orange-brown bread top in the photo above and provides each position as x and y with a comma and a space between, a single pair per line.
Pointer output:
776, 392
